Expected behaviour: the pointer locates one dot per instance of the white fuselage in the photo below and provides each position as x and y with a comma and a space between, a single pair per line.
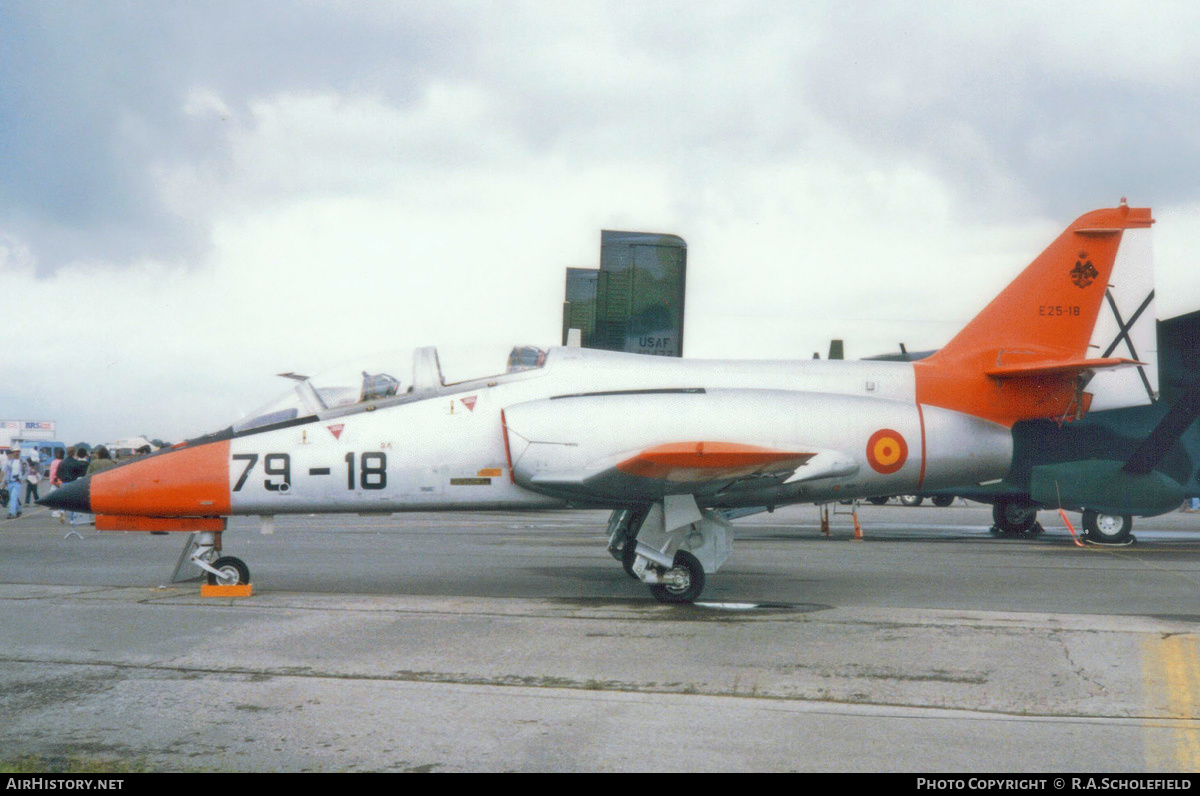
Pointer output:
447, 447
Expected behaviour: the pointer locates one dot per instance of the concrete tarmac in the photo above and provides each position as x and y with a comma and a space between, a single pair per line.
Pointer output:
513, 642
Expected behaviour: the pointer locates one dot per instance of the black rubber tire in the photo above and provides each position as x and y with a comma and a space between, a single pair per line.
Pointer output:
231, 567
942, 501
878, 501
1013, 517
912, 500
691, 564
1107, 528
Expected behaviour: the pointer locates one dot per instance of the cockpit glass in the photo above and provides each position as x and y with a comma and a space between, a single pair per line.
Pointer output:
347, 385
525, 357
481, 361
374, 380
282, 409
386, 376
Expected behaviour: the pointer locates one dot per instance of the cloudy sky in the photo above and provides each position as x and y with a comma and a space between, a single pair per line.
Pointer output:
197, 195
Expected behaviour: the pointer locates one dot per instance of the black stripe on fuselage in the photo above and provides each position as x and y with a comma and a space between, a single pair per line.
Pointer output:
666, 391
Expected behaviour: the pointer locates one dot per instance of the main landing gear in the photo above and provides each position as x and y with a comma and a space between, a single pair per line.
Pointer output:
220, 571
670, 546
1107, 528
1015, 516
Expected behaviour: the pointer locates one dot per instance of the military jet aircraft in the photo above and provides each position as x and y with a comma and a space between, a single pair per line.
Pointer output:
666, 444
1115, 464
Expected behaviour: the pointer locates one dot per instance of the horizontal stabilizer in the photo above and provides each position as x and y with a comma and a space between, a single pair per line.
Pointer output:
1058, 367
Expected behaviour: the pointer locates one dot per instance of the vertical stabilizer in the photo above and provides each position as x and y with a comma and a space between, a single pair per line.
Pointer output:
1029, 353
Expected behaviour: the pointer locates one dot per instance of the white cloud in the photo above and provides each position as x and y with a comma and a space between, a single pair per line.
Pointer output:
836, 173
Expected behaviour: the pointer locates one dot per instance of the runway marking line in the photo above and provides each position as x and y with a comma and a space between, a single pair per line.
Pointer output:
1171, 673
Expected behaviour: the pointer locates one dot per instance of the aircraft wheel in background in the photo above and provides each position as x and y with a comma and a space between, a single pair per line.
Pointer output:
942, 501
234, 572
911, 500
688, 577
1107, 528
877, 501
1013, 517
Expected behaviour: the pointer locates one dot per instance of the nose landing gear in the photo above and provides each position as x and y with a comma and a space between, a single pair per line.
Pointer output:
223, 571
232, 572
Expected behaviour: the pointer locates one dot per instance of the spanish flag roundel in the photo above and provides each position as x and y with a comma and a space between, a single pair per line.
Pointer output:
887, 451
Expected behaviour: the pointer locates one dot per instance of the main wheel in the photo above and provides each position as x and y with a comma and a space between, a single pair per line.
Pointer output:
234, 572
689, 580
877, 501
1107, 528
911, 500
1013, 517
942, 501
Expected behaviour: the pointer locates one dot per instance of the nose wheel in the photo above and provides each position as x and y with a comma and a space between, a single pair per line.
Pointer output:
229, 571
220, 571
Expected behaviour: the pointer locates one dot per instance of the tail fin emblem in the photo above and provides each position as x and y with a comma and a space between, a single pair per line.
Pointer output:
1084, 272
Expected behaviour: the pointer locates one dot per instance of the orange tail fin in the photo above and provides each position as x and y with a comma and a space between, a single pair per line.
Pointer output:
1026, 355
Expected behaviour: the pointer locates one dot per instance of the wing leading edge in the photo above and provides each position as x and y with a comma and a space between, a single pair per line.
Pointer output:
700, 468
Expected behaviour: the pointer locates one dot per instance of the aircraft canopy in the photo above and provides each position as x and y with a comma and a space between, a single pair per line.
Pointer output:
374, 380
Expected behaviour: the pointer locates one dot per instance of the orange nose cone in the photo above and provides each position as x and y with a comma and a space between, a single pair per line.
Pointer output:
187, 482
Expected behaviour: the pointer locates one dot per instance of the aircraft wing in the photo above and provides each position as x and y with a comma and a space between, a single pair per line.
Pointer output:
585, 449
699, 468
700, 462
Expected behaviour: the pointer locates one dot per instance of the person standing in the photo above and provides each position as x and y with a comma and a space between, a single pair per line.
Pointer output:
14, 480
33, 476
101, 461
73, 467
52, 477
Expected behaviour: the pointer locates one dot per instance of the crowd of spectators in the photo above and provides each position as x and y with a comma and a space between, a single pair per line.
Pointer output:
24, 477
